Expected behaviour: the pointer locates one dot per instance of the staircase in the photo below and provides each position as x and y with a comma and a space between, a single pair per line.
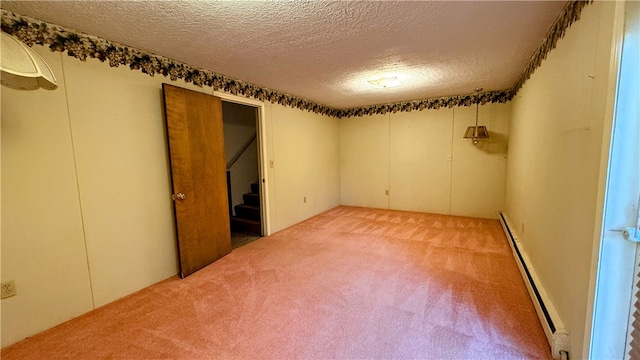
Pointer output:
247, 219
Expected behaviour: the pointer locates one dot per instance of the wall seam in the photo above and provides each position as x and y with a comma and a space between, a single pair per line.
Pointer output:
75, 167
389, 164
453, 120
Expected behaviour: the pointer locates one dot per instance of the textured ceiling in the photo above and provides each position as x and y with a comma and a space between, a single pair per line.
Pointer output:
325, 51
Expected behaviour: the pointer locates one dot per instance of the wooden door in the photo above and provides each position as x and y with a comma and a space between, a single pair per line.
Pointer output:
198, 175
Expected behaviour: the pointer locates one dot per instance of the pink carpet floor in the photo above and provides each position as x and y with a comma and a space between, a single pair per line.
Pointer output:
348, 283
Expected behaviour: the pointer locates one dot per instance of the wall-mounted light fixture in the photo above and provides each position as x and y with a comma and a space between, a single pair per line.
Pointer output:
476, 132
22, 68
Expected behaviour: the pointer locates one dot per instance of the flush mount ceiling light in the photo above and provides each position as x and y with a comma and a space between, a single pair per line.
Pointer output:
385, 82
476, 132
22, 68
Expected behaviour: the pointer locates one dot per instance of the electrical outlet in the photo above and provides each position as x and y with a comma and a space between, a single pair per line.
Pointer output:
522, 232
304, 199
8, 289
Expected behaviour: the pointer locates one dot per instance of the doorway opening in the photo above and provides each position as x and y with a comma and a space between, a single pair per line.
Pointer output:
242, 149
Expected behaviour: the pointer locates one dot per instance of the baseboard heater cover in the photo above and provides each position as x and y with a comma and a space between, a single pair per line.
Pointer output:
556, 333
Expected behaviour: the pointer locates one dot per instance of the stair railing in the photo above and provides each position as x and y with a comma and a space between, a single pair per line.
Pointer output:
244, 148
229, 165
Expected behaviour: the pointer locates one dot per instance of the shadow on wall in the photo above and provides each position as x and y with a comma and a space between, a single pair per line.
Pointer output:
497, 143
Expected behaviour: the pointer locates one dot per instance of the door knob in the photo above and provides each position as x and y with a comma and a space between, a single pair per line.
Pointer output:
178, 196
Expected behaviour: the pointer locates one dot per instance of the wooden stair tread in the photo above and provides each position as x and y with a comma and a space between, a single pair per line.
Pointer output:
251, 199
249, 212
247, 206
247, 217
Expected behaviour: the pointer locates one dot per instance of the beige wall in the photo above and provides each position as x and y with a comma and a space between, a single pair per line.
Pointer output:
86, 210
364, 161
118, 135
304, 148
424, 162
43, 247
555, 161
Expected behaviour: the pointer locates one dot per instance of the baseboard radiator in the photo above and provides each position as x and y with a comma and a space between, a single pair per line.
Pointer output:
556, 333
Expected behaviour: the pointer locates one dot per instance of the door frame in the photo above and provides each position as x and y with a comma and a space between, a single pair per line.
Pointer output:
607, 143
261, 132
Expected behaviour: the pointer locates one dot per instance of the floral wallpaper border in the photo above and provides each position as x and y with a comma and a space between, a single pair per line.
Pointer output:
569, 14
433, 103
83, 46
